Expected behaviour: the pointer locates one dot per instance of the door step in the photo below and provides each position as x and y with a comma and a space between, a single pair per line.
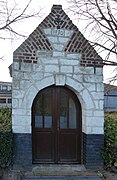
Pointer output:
60, 172
57, 169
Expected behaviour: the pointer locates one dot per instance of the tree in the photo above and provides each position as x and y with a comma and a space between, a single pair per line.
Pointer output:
11, 14
100, 24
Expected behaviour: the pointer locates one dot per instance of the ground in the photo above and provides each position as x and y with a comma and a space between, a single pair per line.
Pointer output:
13, 175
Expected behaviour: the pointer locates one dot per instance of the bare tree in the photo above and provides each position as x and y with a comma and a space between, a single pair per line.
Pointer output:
100, 23
11, 14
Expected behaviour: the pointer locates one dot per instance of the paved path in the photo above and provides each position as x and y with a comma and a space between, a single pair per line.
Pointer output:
62, 178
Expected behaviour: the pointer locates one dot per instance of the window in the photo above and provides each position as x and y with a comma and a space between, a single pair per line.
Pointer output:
2, 100
9, 100
9, 88
4, 87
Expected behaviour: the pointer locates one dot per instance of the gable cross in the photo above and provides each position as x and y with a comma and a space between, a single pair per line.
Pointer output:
58, 21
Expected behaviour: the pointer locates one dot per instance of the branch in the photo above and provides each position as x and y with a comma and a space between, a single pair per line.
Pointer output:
10, 20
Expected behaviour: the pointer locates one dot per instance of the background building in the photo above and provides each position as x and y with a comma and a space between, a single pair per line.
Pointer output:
5, 94
110, 98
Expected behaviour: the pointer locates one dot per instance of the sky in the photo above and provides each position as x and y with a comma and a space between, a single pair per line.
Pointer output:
8, 46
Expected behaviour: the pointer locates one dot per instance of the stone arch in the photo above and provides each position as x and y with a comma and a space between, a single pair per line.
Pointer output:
34, 89
82, 93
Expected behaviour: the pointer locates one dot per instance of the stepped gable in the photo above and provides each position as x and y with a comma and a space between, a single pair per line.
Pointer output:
37, 40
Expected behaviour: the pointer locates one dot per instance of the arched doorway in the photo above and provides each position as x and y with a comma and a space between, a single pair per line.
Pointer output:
56, 126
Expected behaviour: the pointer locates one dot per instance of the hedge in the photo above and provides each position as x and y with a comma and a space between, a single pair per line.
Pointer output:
5, 138
110, 135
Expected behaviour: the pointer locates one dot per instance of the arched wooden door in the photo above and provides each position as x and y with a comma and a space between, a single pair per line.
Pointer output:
56, 126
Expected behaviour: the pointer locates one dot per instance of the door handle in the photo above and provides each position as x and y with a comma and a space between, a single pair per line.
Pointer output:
58, 124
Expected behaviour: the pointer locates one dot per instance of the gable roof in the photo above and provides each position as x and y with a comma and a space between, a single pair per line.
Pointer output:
37, 40
108, 89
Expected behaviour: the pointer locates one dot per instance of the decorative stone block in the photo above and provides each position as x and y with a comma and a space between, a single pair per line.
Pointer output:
48, 61
69, 62
25, 84
76, 56
15, 103
60, 79
36, 76
52, 68
94, 122
16, 65
99, 71
21, 129
96, 102
93, 78
99, 113
26, 67
101, 104
17, 93
21, 120
58, 32
78, 77
47, 81
77, 70
43, 53
29, 97
58, 54
21, 112
63, 40
74, 84
53, 39
98, 130
68, 33
66, 69
100, 87
58, 47
16, 84
88, 99
98, 95
47, 31
90, 86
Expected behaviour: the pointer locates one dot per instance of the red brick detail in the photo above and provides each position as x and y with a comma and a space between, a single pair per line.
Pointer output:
50, 20
78, 44
38, 41
27, 51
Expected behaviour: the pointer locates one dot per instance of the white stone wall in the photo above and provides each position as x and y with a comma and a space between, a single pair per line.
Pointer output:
59, 68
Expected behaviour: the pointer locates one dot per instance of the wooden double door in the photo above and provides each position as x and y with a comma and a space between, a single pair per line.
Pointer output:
56, 126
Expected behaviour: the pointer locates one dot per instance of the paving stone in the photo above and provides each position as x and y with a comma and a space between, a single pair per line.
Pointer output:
62, 178
45, 178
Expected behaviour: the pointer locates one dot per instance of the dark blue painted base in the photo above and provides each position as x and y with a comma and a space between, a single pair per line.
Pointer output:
22, 144
92, 150
92, 147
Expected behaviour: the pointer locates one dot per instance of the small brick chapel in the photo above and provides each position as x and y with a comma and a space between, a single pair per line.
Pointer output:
57, 96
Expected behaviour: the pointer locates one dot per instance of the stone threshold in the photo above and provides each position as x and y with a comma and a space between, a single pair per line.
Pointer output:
61, 178
57, 169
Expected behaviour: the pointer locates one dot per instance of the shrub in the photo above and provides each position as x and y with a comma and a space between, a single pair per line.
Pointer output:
5, 138
110, 149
